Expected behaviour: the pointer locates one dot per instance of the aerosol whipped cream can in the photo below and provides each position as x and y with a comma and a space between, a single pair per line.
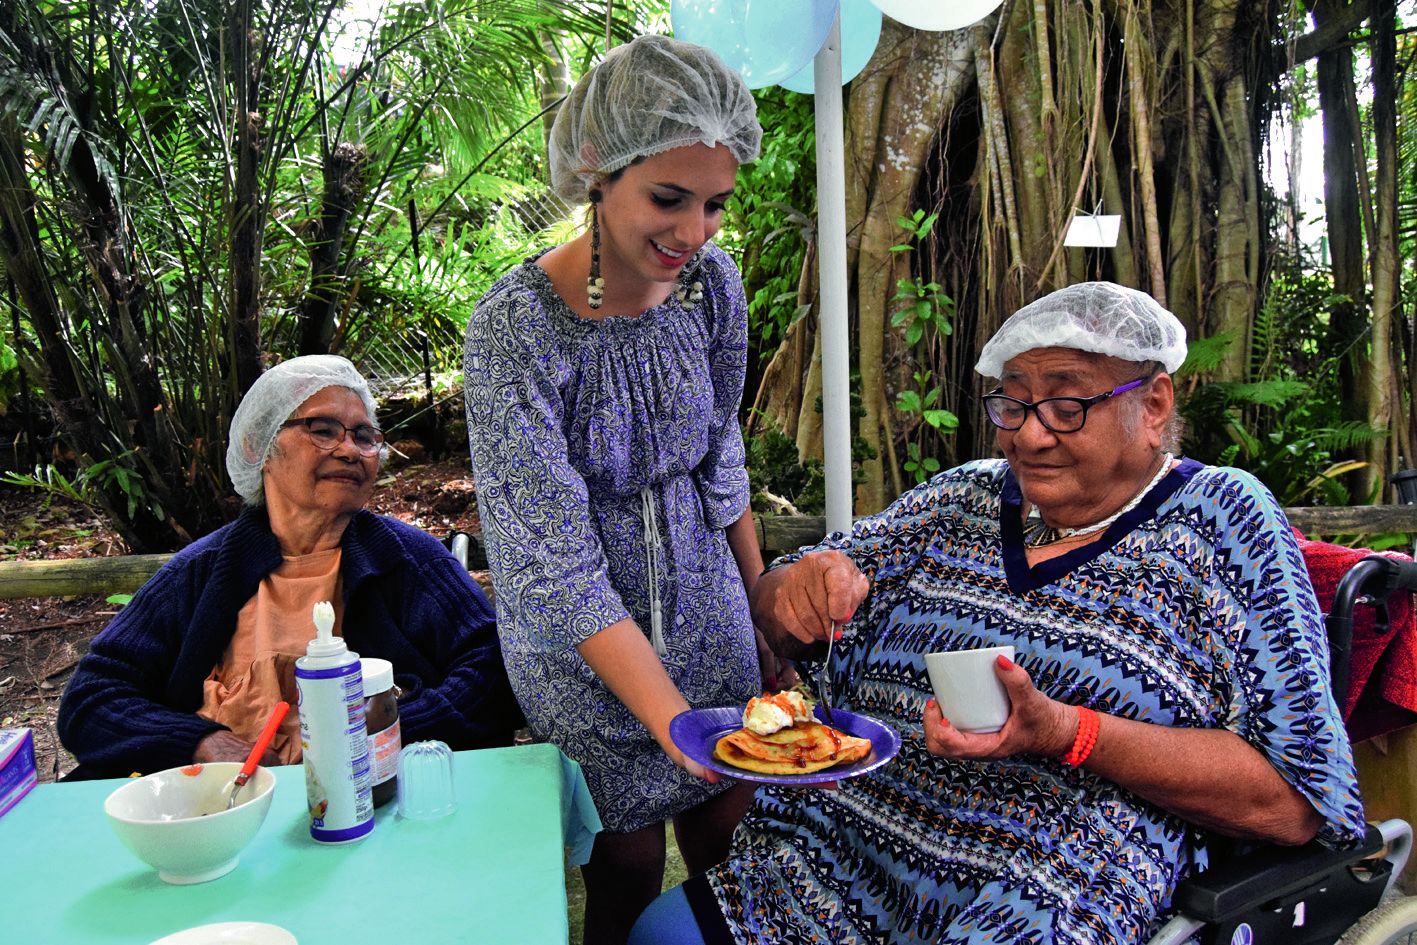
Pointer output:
333, 741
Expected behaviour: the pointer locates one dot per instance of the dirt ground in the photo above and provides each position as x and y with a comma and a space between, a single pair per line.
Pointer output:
41, 639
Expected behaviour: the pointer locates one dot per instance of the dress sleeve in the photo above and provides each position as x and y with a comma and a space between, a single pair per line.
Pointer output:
722, 475
114, 717
1280, 698
543, 548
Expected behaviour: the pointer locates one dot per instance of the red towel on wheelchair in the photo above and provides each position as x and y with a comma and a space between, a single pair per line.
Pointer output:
1382, 687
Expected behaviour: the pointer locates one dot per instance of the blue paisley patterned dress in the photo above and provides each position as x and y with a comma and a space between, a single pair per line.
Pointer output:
1193, 610
594, 442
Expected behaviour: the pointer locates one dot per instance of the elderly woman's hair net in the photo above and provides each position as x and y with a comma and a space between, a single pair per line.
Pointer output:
270, 402
1101, 317
649, 96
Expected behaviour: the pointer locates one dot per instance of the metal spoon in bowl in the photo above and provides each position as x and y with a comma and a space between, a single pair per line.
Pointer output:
253, 760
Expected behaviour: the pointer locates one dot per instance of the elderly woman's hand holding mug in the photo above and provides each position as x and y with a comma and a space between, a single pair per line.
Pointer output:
1037, 725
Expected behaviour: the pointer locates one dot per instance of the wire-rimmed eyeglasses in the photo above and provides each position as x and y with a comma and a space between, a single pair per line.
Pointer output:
327, 433
1057, 414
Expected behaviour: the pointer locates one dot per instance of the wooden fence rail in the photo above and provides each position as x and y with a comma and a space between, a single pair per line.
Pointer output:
776, 534
782, 533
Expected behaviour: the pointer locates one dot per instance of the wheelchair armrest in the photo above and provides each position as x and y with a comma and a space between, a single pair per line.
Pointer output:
1244, 881
1402, 575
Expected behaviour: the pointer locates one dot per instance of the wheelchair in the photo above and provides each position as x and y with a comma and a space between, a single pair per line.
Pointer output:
1311, 895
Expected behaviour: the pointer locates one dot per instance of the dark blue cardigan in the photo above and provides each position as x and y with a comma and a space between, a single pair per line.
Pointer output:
132, 703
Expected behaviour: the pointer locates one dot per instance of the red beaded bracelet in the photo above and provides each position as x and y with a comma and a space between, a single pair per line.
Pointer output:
1088, 724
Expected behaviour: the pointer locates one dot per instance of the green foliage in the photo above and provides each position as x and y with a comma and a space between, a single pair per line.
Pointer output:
773, 468
772, 218
773, 464
927, 306
926, 317
54, 484
1204, 355
9, 374
1284, 423
922, 401
1407, 171
121, 136
1388, 541
87, 485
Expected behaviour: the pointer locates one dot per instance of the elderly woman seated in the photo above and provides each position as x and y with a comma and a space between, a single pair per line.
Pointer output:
1170, 681
191, 668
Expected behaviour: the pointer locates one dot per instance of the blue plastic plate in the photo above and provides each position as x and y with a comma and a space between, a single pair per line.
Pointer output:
697, 731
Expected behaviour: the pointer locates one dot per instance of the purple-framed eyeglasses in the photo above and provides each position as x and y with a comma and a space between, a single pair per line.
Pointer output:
1057, 414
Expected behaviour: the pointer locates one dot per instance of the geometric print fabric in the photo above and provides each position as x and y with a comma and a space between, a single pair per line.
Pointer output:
1192, 610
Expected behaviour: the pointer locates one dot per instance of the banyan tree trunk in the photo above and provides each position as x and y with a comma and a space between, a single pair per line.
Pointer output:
1380, 390
892, 119
1150, 109
1345, 237
1224, 96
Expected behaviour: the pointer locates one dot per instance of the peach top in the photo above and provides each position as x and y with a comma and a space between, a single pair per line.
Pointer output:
272, 630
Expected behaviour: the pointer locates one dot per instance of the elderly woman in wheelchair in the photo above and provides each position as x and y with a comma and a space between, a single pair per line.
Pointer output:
1170, 685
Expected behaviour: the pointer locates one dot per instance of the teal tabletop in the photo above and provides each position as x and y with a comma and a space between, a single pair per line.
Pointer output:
492, 872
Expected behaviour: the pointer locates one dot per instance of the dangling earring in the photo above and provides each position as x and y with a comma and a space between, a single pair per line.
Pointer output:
690, 295
595, 285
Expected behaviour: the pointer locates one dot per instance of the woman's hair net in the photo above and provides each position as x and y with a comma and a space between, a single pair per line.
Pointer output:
1101, 317
270, 402
649, 96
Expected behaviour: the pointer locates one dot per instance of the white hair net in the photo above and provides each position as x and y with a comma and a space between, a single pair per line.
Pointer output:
270, 402
1101, 317
649, 96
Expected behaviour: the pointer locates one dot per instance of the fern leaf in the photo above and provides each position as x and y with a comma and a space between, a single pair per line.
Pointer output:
1206, 354
1270, 393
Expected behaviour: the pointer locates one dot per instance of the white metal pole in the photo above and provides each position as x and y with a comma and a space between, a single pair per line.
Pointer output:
831, 263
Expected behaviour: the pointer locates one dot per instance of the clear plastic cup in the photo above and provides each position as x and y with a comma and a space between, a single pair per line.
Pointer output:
426, 781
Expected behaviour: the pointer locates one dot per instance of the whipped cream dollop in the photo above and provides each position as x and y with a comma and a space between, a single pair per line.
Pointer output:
768, 714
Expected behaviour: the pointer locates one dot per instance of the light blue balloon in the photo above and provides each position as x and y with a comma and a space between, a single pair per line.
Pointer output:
860, 31
765, 40
717, 24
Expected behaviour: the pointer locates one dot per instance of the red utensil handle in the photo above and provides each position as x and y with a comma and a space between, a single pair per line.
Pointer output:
262, 741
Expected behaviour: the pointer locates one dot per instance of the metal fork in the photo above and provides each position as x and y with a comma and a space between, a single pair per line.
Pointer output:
826, 679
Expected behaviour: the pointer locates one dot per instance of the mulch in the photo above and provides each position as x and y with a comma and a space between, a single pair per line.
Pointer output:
42, 639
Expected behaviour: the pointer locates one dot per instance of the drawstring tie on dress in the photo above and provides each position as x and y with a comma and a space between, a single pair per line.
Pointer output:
654, 558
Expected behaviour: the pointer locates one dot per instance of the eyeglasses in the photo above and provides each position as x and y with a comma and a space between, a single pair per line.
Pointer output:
1057, 414
327, 433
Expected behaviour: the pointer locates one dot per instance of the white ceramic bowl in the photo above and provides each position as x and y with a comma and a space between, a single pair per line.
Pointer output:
177, 822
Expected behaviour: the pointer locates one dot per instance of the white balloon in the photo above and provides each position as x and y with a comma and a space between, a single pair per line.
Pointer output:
937, 14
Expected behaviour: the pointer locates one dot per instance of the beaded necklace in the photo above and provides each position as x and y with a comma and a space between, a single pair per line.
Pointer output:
1037, 533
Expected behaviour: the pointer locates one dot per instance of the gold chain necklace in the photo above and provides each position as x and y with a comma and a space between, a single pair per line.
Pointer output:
1037, 533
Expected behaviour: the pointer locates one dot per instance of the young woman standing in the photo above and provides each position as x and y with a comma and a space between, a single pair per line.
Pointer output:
603, 381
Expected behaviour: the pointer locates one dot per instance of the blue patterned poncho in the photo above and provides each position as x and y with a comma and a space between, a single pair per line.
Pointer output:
587, 438
1193, 610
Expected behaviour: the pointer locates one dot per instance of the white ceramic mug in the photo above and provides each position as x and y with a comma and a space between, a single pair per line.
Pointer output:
967, 689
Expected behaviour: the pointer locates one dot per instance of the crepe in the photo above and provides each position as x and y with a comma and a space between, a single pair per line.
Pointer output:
803, 748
